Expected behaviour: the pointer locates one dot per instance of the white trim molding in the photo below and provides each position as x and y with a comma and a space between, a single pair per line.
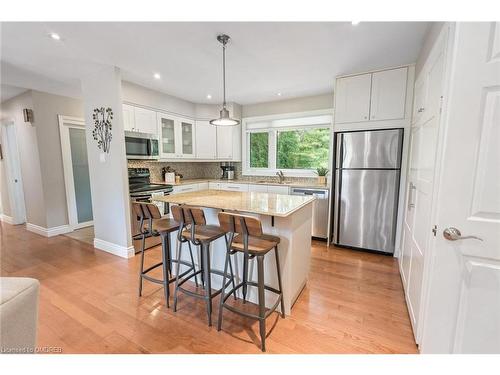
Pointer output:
6, 219
48, 232
109, 247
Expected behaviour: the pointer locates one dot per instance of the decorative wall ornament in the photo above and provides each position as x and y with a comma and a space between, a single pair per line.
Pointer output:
102, 132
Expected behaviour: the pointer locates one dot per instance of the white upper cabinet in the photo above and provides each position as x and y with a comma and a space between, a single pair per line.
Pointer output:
378, 96
145, 120
168, 135
225, 142
137, 119
388, 94
187, 138
206, 140
352, 99
128, 118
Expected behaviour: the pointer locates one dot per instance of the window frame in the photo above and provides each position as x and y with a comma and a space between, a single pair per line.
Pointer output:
272, 145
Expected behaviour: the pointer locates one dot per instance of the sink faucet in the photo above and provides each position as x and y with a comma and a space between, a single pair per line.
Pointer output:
281, 176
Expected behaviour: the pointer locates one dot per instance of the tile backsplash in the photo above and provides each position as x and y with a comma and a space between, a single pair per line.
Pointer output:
208, 170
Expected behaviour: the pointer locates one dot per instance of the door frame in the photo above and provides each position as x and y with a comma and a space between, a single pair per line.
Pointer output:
13, 160
65, 123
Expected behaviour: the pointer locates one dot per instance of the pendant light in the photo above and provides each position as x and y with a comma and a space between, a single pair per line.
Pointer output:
224, 119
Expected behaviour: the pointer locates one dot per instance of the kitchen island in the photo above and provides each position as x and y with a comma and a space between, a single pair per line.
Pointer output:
286, 216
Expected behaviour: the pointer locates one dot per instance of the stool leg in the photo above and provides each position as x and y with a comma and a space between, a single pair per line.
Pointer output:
279, 281
262, 301
200, 260
142, 264
192, 263
165, 254
232, 276
245, 276
169, 246
177, 271
205, 250
222, 293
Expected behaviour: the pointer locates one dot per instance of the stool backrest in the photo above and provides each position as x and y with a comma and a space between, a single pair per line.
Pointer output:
188, 215
146, 211
235, 223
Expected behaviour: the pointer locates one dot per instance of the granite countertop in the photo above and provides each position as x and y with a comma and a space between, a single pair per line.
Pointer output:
248, 182
250, 202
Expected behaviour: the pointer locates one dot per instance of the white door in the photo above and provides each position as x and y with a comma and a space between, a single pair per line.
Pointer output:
420, 188
463, 309
352, 99
225, 142
13, 173
76, 172
388, 96
206, 140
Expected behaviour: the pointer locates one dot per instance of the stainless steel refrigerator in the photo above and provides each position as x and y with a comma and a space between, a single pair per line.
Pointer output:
366, 188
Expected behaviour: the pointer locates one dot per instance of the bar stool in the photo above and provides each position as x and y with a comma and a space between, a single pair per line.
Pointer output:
151, 224
194, 229
246, 236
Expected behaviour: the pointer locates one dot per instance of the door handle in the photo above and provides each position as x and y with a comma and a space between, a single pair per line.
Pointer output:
453, 234
410, 196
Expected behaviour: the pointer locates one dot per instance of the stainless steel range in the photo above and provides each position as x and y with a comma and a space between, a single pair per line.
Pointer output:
142, 190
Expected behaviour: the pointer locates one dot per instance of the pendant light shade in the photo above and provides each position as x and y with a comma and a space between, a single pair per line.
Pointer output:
224, 119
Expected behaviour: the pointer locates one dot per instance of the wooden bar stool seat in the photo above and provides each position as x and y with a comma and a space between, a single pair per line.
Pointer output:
256, 245
195, 230
151, 225
246, 236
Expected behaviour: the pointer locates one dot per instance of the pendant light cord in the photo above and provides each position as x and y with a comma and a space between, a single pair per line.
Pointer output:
224, 74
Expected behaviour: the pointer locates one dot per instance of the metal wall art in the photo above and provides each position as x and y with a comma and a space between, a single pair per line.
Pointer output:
102, 132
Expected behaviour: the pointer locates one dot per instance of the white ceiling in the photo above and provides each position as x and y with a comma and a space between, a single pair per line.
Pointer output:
296, 59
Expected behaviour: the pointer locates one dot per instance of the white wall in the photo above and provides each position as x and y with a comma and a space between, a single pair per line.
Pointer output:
108, 177
429, 41
26, 134
303, 104
46, 108
141, 95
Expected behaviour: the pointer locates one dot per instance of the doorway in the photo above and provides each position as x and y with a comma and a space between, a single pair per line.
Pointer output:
13, 172
76, 171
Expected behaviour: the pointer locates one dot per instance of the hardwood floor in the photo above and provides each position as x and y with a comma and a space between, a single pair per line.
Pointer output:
353, 303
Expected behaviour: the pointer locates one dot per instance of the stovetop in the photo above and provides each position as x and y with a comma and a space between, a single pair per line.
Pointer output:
145, 187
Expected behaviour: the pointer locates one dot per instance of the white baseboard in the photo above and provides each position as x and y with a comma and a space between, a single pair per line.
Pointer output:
6, 219
48, 232
121, 251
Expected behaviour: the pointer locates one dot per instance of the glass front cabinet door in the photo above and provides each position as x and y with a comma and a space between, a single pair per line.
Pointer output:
186, 138
167, 127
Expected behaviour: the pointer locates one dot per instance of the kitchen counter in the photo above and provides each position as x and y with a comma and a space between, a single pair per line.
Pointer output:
250, 202
249, 182
286, 216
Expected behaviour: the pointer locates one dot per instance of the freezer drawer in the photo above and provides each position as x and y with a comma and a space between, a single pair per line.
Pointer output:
366, 207
369, 149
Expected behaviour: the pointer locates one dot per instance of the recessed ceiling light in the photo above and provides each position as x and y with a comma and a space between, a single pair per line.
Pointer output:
279, 94
209, 96
55, 36
157, 75
354, 23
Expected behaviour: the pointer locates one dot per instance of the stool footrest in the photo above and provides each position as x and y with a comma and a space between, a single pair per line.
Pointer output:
248, 315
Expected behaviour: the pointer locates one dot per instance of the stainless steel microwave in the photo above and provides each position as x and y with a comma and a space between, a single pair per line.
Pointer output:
141, 145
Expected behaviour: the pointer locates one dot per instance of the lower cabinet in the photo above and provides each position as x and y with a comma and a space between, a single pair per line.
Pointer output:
278, 189
229, 186
185, 188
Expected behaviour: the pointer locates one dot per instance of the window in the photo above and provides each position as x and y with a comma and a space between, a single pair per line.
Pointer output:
303, 148
259, 150
297, 145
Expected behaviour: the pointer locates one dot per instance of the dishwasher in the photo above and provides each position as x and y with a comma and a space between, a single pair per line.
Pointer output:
320, 209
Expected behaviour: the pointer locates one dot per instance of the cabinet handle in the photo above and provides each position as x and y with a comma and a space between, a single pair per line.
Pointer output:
366, 117
421, 110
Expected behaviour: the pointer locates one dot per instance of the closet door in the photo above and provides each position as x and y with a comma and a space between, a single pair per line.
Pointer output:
352, 99
388, 94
